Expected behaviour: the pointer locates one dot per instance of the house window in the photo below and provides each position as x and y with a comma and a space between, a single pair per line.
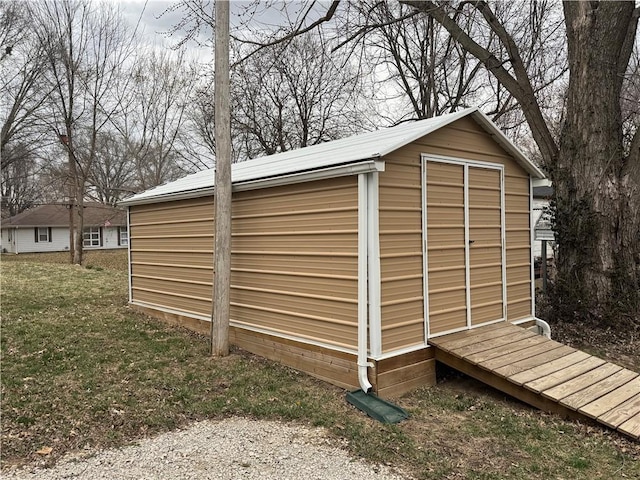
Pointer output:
123, 236
91, 237
42, 234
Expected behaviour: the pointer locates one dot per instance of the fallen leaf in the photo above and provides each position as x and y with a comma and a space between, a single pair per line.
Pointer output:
45, 451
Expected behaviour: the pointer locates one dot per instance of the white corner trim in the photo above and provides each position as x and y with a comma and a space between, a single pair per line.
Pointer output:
130, 265
373, 257
532, 273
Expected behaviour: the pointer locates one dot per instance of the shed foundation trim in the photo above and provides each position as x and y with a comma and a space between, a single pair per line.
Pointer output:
390, 377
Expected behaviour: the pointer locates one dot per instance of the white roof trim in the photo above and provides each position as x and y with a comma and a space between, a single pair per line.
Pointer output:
324, 160
332, 172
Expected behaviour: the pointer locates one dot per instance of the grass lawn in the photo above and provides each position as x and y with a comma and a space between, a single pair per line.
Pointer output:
81, 371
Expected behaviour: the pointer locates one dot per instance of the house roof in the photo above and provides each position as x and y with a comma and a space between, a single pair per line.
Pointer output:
324, 156
57, 215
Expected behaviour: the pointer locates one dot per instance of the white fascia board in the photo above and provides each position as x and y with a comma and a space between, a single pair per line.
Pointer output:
542, 182
508, 145
371, 165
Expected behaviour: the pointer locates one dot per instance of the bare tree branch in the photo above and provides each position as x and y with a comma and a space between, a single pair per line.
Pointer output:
519, 87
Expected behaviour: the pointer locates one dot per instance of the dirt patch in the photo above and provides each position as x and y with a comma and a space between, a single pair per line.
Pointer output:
620, 346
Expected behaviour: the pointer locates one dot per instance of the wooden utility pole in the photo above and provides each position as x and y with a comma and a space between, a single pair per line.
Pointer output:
222, 196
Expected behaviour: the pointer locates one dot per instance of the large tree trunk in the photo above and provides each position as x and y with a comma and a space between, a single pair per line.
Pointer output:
596, 184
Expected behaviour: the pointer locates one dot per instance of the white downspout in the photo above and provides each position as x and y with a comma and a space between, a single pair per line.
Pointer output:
373, 257
544, 326
363, 364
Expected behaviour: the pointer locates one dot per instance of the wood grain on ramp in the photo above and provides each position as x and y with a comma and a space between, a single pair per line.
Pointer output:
546, 374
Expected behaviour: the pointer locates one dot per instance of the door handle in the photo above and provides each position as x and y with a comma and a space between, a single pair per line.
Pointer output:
471, 241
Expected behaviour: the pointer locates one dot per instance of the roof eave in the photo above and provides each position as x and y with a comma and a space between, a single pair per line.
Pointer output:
353, 168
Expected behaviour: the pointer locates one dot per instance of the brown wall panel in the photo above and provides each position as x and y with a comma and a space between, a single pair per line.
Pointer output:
445, 300
173, 302
294, 258
166, 258
451, 256
400, 220
311, 232
447, 279
315, 264
519, 310
518, 255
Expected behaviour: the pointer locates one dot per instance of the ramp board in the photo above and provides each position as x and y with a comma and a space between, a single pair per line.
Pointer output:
546, 374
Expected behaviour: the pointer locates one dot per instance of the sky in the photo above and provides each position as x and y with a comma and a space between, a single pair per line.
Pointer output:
157, 18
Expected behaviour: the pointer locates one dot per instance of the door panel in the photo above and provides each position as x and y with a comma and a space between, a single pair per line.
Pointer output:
465, 252
485, 244
446, 246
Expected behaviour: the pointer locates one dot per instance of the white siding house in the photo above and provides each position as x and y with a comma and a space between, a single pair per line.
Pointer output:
46, 229
542, 191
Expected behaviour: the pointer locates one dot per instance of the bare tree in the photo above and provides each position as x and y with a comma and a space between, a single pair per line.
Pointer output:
22, 66
421, 71
286, 100
158, 97
112, 174
198, 141
86, 46
597, 185
20, 186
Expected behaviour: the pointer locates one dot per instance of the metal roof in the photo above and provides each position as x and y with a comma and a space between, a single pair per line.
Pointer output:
370, 145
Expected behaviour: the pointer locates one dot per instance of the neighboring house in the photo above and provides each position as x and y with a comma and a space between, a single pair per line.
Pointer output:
46, 229
542, 192
349, 256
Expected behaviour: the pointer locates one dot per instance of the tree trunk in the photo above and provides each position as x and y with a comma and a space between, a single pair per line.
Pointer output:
78, 253
596, 191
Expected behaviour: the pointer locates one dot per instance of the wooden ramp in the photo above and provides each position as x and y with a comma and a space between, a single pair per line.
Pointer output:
546, 374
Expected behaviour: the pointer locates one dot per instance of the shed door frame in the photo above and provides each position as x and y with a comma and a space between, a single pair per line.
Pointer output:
465, 163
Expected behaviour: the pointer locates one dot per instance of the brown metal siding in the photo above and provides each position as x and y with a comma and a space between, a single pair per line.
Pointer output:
172, 254
294, 259
400, 219
401, 256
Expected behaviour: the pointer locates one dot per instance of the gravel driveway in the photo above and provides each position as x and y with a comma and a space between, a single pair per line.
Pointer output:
235, 448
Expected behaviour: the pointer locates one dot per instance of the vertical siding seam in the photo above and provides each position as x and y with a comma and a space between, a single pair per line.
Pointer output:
532, 272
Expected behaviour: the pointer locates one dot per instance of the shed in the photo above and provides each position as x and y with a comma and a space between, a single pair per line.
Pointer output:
348, 256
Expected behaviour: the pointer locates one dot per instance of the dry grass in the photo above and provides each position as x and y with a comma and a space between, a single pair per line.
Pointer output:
98, 259
82, 371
